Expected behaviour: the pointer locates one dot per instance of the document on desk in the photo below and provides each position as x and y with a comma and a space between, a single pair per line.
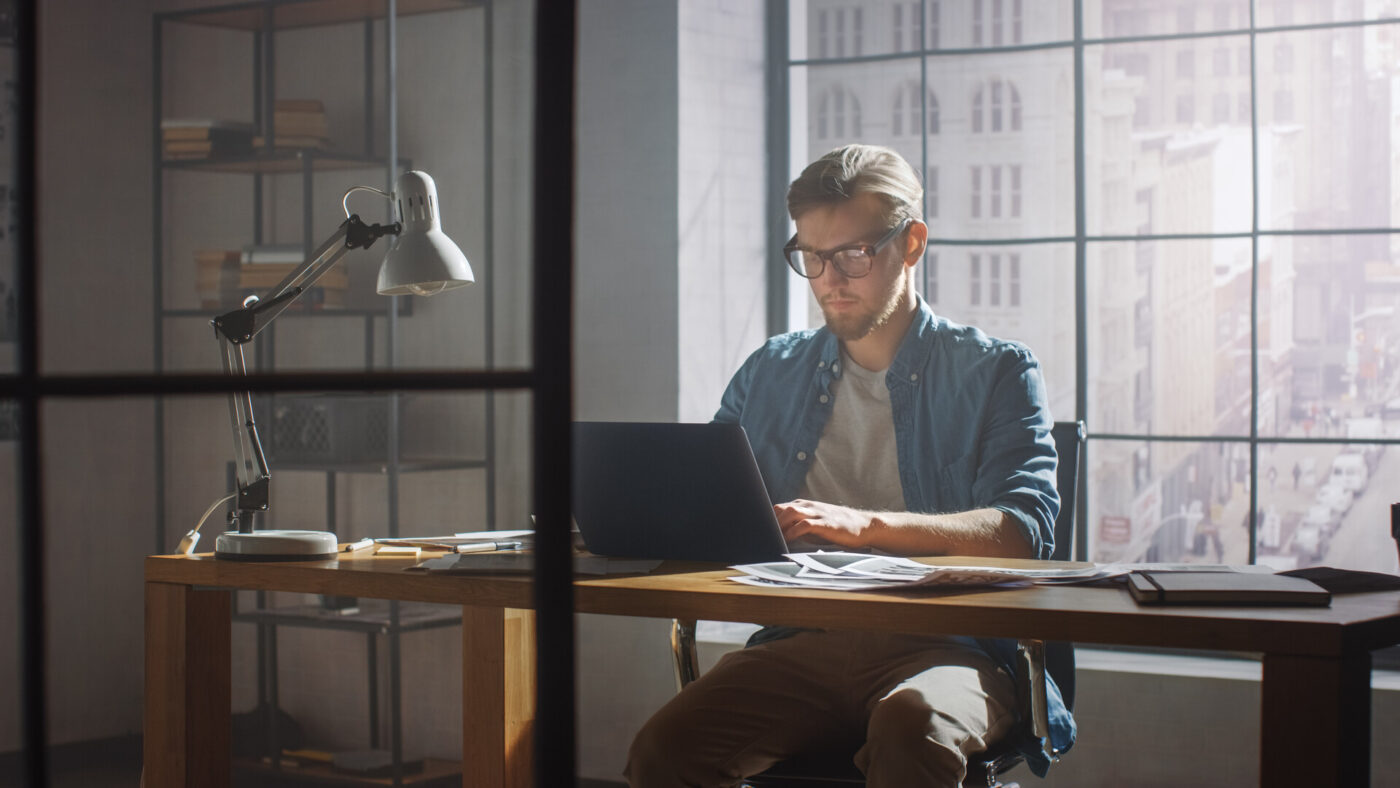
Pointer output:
861, 572
865, 572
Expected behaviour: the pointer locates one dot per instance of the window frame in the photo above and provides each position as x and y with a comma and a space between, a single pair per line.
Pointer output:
1248, 109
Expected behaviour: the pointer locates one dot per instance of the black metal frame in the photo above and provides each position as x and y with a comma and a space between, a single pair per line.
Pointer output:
1081, 238
550, 378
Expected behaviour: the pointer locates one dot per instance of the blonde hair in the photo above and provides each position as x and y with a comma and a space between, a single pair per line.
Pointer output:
859, 169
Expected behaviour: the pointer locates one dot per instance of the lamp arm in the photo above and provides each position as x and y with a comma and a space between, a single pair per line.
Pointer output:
237, 328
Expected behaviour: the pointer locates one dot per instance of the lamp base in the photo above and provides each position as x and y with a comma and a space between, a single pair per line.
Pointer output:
275, 545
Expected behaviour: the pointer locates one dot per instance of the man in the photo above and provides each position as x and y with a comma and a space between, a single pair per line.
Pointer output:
889, 429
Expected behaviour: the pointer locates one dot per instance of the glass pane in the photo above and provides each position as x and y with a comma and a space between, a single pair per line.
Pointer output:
1169, 337
9, 201
878, 103
1164, 17
1168, 501
1168, 137
1025, 293
1324, 103
823, 29
1330, 351
1309, 12
1001, 156
210, 232
11, 735
329, 458
99, 520
1327, 504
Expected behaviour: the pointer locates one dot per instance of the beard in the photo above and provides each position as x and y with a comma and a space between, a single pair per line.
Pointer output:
859, 323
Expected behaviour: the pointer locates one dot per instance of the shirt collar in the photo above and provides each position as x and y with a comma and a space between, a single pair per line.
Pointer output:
912, 356
916, 347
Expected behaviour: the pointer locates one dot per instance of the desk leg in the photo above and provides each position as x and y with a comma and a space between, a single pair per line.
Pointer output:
1316, 721
186, 740
498, 696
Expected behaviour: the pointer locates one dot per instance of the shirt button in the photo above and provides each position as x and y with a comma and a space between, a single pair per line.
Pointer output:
834, 368
914, 376
823, 399
821, 365
802, 455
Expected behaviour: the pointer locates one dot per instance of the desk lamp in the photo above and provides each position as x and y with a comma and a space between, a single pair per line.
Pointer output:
422, 261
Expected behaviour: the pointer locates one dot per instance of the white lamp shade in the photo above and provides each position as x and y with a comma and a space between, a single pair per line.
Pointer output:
423, 260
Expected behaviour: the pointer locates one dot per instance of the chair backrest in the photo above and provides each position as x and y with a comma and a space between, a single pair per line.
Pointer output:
1069, 439
1069, 442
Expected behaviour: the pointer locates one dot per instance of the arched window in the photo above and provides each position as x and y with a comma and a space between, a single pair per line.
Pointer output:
905, 117
838, 113
996, 106
1001, 111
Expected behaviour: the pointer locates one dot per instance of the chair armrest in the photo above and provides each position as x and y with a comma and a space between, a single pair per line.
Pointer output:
687, 664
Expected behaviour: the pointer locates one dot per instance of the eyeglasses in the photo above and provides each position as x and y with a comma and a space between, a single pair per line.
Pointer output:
852, 260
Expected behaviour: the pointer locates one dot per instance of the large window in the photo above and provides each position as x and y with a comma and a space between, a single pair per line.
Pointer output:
1236, 283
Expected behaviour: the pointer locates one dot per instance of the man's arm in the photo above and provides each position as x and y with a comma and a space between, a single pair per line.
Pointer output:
985, 532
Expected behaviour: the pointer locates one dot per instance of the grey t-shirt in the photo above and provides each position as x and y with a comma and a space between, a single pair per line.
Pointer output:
856, 463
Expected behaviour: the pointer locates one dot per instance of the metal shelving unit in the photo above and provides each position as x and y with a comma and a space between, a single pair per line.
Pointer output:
261, 20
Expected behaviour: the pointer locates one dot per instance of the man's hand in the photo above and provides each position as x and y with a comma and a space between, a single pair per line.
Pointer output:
986, 532
827, 522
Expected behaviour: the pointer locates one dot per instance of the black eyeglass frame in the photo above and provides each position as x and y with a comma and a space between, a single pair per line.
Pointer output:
829, 256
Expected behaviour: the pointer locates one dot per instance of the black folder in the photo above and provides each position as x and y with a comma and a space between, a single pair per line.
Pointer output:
1225, 588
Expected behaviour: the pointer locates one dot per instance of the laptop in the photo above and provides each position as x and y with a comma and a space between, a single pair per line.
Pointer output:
688, 492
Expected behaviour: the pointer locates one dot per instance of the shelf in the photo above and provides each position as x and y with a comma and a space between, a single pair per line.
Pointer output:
280, 162
405, 466
290, 14
293, 312
435, 770
372, 618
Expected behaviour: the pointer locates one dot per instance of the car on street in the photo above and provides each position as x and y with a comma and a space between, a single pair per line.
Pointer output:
1350, 471
1310, 537
1336, 497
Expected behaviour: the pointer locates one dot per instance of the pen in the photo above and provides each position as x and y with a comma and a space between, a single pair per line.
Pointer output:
360, 545
487, 547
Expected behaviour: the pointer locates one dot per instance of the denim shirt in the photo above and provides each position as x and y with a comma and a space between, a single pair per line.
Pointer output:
972, 431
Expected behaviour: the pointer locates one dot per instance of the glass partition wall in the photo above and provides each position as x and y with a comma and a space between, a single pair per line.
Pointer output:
114, 435
1187, 208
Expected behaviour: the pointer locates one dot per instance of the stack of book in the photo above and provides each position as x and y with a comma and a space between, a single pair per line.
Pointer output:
297, 123
204, 138
225, 277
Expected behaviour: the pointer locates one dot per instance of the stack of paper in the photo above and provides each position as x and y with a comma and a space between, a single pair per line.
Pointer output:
860, 572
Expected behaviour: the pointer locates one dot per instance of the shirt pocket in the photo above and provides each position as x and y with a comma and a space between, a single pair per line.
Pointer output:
954, 484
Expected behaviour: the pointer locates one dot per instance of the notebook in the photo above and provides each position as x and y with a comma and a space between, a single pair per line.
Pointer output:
1224, 588
689, 492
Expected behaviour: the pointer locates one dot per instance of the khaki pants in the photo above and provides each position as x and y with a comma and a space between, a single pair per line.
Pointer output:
921, 705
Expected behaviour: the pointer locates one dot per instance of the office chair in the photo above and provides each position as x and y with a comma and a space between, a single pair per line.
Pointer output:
835, 767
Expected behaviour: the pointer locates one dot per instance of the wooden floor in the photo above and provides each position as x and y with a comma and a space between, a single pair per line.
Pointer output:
116, 763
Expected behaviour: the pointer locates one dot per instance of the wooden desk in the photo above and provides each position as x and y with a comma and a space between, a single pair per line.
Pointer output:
1316, 708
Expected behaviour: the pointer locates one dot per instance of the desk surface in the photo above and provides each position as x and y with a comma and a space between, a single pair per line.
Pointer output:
1354, 622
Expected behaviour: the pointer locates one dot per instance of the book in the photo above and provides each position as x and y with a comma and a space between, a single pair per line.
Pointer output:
523, 562
204, 138
222, 280
285, 142
300, 124
298, 105
200, 128
1225, 588
273, 253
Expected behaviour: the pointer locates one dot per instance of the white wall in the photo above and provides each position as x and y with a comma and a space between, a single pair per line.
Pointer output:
669, 280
